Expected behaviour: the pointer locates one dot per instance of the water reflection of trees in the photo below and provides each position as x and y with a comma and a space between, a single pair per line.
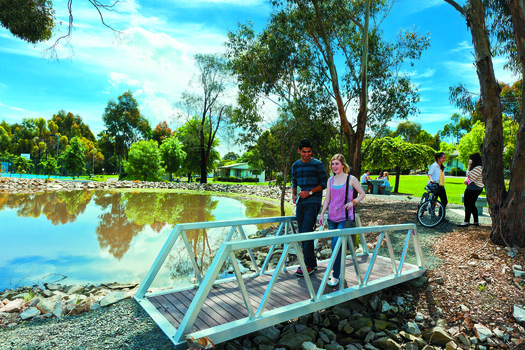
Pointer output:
114, 231
125, 214
58, 207
196, 209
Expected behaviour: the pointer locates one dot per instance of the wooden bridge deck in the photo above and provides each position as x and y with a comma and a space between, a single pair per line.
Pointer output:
224, 309
225, 302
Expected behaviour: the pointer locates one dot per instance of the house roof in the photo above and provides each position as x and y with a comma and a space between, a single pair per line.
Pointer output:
235, 166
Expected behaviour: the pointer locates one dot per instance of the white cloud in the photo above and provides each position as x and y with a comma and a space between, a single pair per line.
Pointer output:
462, 47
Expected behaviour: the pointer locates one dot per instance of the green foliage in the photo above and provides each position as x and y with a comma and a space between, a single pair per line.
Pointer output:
192, 147
457, 128
389, 153
447, 148
70, 126
73, 158
172, 154
230, 156
471, 142
21, 165
144, 161
50, 165
30, 20
124, 123
5, 140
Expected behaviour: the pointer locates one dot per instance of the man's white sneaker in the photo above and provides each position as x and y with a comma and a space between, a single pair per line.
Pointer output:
332, 282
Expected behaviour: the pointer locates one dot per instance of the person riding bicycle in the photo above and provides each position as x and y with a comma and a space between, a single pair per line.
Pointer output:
436, 175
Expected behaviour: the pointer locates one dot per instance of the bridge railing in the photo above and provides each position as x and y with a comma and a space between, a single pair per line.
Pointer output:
258, 315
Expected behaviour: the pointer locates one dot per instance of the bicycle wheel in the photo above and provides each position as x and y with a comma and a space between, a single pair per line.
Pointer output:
424, 198
430, 213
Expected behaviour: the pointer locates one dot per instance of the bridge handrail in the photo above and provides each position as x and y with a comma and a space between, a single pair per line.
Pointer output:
227, 250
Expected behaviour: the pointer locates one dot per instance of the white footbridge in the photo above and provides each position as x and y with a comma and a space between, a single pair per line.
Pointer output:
226, 308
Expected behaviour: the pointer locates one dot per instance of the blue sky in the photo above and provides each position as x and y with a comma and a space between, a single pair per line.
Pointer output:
153, 57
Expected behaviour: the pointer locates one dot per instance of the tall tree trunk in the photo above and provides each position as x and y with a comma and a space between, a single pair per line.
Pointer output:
510, 228
506, 209
398, 176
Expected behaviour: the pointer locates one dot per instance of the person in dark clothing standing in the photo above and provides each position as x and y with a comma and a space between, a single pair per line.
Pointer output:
310, 176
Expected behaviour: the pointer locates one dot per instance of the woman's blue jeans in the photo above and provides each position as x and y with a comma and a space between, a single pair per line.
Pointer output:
337, 265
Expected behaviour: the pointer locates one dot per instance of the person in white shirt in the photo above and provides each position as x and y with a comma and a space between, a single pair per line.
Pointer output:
436, 175
365, 180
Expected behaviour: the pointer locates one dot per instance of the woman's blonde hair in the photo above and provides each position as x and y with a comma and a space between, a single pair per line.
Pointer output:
342, 159
385, 174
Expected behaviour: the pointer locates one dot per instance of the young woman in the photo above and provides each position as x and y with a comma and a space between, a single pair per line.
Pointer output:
474, 188
334, 202
386, 177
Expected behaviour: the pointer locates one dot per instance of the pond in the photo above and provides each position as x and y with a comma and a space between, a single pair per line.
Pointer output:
96, 237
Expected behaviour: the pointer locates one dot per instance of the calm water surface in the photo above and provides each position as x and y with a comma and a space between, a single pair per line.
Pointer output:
100, 236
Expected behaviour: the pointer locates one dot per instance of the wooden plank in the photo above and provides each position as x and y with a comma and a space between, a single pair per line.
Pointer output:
175, 300
207, 314
230, 305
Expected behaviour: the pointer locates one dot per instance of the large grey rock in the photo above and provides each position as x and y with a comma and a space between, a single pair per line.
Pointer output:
418, 282
413, 339
13, 306
355, 305
341, 312
293, 341
333, 346
380, 325
437, 336
113, 298
261, 339
482, 332
270, 332
360, 322
374, 302
385, 306
331, 335
412, 328
309, 346
519, 313
363, 332
386, 344
30, 313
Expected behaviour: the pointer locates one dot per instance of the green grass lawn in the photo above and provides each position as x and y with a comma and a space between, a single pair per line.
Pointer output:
415, 185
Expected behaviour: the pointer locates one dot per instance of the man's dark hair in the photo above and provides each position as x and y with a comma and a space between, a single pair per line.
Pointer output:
305, 143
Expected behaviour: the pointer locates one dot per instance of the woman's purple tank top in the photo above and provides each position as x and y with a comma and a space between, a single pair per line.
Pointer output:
336, 212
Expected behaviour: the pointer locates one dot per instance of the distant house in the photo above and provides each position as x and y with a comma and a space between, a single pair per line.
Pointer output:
241, 170
453, 162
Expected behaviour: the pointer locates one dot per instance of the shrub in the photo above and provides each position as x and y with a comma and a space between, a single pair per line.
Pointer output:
250, 179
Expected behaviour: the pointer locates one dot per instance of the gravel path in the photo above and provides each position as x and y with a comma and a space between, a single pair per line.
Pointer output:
124, 325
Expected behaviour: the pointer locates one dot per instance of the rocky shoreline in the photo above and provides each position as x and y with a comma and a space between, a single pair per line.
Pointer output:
388, 319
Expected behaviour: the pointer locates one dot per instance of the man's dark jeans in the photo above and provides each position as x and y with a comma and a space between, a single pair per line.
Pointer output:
306, 219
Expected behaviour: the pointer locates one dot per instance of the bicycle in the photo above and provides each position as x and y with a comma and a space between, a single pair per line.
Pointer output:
430, 211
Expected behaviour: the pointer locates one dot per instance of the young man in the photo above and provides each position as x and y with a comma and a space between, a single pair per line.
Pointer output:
310, 176
365, 181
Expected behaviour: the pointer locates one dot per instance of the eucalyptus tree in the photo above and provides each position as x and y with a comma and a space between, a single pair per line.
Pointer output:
331, 43
206, 111
125, 124
504, 23
274, 69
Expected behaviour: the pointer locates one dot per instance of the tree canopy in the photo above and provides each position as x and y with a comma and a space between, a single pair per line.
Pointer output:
125, 124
